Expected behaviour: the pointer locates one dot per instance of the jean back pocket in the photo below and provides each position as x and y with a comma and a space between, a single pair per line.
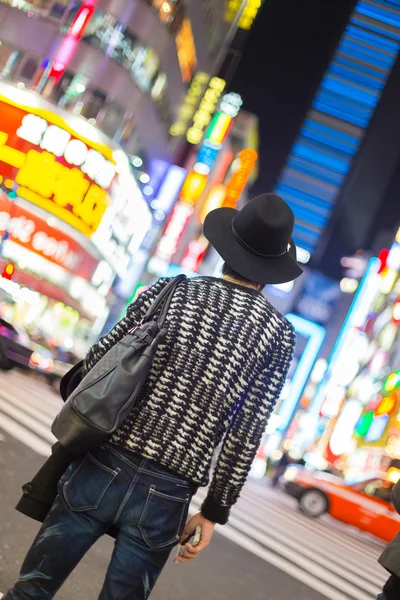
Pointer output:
88, 484
163, 518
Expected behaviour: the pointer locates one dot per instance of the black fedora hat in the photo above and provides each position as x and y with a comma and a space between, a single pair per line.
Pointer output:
256, 242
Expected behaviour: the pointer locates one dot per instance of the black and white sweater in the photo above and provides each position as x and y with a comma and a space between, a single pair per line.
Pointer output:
217, 376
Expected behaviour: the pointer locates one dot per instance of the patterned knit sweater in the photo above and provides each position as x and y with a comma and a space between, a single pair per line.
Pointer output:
216, 377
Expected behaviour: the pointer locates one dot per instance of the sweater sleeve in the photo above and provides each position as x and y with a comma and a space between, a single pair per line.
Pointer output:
244, 434
134, 314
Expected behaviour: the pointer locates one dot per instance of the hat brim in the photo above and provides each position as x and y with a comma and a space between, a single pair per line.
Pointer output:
280, 269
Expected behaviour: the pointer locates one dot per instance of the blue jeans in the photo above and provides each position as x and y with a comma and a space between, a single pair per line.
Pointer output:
147, 503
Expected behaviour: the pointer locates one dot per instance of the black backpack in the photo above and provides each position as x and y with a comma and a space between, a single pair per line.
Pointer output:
107, 394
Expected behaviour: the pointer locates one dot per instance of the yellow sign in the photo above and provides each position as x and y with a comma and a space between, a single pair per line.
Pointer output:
186, 50
187, 110
41, 177
63, 176
193, 187
249, 13
237, 183
204, 113
215, 199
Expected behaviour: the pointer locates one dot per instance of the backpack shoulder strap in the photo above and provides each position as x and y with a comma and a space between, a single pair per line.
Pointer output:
163, 300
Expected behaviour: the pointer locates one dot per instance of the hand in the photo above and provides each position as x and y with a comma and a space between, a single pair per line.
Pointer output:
207, 529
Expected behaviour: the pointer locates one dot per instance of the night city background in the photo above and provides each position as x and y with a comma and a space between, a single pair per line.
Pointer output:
123, 123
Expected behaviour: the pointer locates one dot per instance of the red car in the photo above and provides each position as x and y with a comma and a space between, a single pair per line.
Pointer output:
367, 505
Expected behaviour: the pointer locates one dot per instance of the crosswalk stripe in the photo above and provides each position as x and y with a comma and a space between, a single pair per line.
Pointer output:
37, 391
26, 420
30, 408
24, 435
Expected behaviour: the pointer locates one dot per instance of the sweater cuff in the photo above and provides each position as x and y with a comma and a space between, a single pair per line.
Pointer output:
214, 512
392, 588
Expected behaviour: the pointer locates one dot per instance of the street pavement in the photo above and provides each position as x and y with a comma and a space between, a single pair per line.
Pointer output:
268, 551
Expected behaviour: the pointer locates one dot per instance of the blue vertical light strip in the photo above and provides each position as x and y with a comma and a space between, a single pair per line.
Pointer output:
316, 335
340, 115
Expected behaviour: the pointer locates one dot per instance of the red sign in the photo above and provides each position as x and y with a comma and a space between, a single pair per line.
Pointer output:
33, 233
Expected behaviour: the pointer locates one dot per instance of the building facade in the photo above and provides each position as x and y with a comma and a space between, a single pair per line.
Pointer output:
95, 99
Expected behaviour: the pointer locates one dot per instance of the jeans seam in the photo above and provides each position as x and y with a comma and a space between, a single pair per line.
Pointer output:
104, 467
142, 469
108, 448
164, 477
169, 497
127, 496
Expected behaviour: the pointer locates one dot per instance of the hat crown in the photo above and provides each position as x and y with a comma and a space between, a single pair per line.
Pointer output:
265, 225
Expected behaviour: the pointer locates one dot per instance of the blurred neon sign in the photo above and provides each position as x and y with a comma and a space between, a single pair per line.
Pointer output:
355, 318
237, 183
33, 233
248, 15
193, 187
169, 241
217, 132
203, 114
53, 168
392, 382
186, 50
219, 128
69, 44
188, 108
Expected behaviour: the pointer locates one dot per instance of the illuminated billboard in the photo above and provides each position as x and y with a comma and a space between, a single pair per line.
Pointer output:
52, 168
63, 165
33, 233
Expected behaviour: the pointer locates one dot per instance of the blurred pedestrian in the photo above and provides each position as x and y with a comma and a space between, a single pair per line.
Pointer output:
390, 558
280, 468
216, 377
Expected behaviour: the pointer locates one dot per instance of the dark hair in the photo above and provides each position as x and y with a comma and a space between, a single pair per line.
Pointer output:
229, 272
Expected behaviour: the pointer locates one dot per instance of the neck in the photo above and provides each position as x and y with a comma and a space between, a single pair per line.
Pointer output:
253, 286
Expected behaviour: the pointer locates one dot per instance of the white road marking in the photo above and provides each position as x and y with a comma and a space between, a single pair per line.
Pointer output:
24, 419
25, 436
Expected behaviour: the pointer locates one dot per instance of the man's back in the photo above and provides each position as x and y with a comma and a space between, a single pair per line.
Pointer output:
216, 373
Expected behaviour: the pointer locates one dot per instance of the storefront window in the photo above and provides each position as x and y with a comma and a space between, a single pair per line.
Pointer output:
111, 120
58, 92
119, 43
29, 68
74, 92
170, 12
43, 8
145, 68
93, 104
10, 60
58, 9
